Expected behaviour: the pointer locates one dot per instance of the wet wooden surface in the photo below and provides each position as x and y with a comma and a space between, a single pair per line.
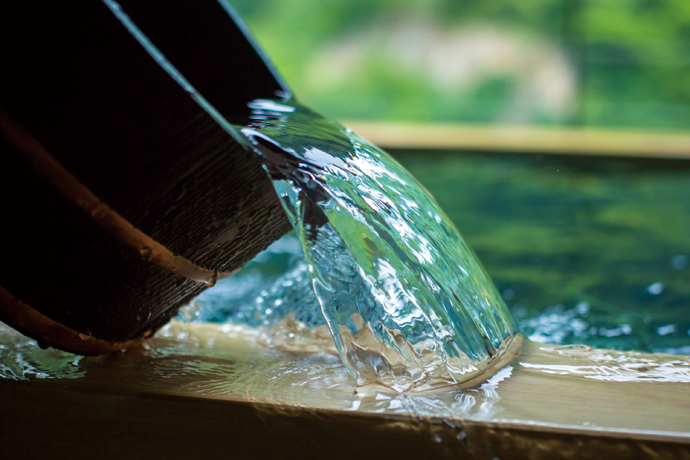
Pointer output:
219, 392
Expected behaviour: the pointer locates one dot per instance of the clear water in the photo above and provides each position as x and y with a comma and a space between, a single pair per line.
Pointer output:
585, 250
405, 299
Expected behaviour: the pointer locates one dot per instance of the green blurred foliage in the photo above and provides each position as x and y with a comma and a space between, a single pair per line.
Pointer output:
629, 59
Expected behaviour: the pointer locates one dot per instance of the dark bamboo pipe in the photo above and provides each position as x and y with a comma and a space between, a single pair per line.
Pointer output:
122, 191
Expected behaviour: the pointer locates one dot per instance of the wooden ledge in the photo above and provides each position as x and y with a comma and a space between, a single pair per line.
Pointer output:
206, 391
521, 139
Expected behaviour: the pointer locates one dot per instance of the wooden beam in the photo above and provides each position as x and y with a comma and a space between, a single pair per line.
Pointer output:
523, 139
208, 391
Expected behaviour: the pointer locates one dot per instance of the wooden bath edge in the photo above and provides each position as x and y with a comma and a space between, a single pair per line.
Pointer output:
63, 423
156, 402
523, 139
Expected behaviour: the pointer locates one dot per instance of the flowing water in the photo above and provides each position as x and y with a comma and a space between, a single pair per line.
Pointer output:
405, 299
543, 385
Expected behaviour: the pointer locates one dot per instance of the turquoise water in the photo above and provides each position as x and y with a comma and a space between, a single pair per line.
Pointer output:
406, 301
583, 250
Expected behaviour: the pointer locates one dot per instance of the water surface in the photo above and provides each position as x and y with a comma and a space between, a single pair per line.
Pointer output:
584, 250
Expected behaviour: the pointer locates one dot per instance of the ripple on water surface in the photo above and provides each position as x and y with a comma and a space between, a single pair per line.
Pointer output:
541, 384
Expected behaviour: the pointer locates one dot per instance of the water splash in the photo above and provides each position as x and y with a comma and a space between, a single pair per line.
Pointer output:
22, 359
405, 299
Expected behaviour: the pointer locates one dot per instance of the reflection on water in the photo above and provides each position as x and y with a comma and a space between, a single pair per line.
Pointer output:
22, 359
586, 250
612, 366
542, 384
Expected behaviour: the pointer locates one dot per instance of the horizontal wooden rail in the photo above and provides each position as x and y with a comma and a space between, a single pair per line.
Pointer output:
216, 391
523, 139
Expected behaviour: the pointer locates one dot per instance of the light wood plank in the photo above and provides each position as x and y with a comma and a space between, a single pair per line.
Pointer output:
523, 139
219, 392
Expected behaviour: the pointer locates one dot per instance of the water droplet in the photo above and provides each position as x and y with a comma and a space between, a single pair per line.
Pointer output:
462, 436
656, 288
212, 281
146, 253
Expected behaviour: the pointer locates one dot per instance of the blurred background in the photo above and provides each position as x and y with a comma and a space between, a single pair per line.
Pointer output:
605, 63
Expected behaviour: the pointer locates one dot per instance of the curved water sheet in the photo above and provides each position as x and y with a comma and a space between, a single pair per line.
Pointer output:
407, 302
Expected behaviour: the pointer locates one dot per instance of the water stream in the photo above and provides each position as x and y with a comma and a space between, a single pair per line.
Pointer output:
406, 301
